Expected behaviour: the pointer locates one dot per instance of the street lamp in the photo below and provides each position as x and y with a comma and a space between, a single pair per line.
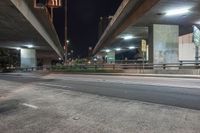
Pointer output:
67, 41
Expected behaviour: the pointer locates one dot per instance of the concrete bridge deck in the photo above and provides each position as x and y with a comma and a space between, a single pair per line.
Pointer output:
22, 25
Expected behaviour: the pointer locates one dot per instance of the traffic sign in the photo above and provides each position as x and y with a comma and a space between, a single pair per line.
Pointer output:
144, 46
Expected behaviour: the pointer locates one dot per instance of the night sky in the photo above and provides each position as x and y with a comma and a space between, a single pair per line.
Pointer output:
83, 19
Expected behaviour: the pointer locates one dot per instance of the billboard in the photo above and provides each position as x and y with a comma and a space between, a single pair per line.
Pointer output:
196, 36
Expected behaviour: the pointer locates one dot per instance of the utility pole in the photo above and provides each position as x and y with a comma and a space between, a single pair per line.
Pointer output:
66, 42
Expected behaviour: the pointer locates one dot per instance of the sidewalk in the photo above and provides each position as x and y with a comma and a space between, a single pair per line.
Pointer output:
144, 75
110, 74
157, 75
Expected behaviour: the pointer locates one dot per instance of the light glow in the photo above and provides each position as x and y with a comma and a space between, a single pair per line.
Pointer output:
177, 12
128, 37
131, 47
107, 50
18, 48
198, 22
29, 46
118, 49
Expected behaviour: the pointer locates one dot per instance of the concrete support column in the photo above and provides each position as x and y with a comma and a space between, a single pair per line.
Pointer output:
163, 44
111, 57
28, 58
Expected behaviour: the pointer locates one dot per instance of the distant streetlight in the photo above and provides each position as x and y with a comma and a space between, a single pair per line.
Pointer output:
118, 49
90, 48
67, 41
131, 47
107, 50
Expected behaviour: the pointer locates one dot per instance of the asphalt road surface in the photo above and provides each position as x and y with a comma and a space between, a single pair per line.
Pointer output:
66, 103
168, 91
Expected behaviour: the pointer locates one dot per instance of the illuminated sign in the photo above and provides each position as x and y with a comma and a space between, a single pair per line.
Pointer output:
54, 3
144, 46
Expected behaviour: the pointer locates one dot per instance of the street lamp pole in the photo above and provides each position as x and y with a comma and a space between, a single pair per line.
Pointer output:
66, 43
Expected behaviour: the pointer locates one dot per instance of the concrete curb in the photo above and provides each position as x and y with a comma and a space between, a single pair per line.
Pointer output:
121, 74
163, 76
141, 75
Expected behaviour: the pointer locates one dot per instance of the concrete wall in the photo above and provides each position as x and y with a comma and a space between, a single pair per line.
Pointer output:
164, 44
186, 48
111, 57
28, 58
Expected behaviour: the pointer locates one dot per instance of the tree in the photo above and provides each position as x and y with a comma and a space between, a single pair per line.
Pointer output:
8, 57
4, 54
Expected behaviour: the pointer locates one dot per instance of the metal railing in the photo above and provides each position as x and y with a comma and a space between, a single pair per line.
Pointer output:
138, 65
115, 67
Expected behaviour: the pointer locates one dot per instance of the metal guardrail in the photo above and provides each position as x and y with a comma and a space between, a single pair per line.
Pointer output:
145, 65
140, 66
95, 67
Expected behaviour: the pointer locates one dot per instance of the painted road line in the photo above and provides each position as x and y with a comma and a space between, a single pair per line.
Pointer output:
30, 106
51, 85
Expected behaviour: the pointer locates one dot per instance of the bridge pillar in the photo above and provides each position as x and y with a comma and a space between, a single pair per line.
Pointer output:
28, 58
111, 57
163, 44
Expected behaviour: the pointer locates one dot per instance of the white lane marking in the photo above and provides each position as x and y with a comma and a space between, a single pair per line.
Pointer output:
51, 85
30, 106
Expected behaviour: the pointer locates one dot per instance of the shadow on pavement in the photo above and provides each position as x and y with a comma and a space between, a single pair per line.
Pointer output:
23, 79
8, 106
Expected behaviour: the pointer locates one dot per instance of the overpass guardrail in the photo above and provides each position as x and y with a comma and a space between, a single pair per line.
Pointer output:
109, 67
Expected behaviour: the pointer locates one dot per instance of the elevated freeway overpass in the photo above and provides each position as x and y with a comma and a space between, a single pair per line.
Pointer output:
163, 24
30, 30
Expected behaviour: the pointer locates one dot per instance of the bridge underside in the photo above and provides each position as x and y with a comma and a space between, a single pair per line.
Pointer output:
143, 17
24, 27
16, 31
